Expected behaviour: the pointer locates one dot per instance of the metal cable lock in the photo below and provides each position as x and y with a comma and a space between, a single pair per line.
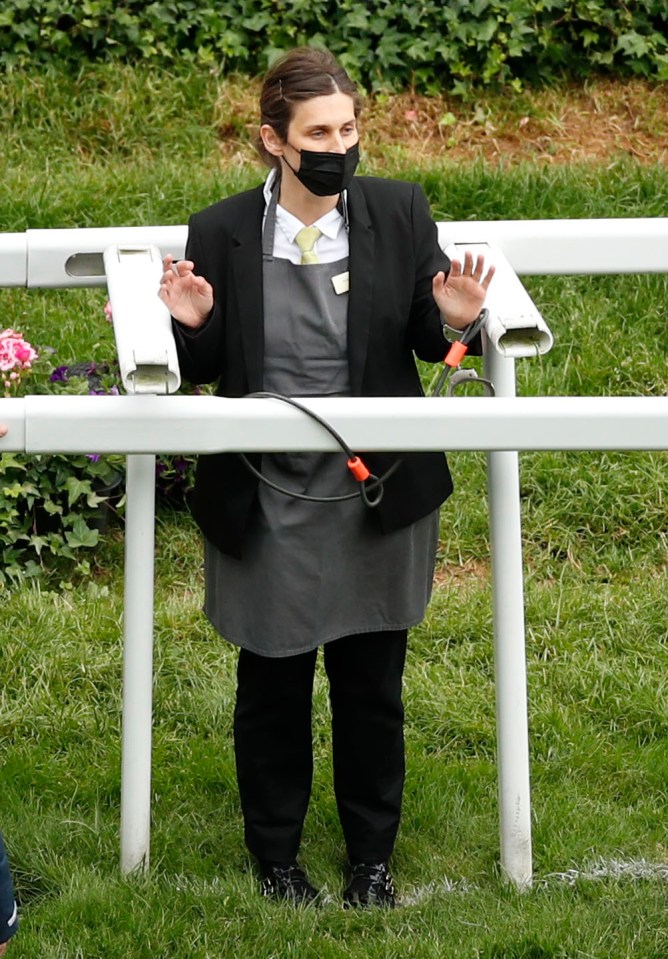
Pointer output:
371, 487
456, 354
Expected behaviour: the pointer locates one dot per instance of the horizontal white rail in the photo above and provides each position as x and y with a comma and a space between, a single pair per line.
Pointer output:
73, 257
206, 424
144, 425
543, 247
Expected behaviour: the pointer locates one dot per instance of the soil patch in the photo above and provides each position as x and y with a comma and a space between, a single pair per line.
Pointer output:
594, 122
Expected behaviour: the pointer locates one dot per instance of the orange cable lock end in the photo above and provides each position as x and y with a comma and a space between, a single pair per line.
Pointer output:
358, 469
456, 354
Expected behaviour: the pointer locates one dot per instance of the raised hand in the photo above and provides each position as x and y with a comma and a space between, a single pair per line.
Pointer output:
460, 295
188, 297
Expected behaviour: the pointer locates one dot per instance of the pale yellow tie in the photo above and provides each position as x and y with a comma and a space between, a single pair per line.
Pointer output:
306, 239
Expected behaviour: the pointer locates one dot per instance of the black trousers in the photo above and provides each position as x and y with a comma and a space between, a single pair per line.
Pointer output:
274, 748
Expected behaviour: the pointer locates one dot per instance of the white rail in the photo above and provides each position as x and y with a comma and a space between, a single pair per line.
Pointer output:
191, 424
73, 258
144, 425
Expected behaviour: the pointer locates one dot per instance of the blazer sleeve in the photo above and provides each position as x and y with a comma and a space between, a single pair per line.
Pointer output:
425, 327
199, 350
427, 336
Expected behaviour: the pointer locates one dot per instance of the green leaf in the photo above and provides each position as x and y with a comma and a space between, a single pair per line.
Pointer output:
76, 488
633, 45
81, 535
13, 490
447, 120
38, 543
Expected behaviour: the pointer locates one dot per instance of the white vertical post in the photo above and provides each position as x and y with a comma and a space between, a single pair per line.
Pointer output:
509, 644
137, 663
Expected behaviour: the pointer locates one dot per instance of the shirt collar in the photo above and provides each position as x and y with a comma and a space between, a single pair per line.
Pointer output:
329, 224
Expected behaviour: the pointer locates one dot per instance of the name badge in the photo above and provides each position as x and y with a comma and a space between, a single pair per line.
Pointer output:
341, 282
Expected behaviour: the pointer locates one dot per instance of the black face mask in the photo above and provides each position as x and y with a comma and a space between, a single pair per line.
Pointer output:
326, 174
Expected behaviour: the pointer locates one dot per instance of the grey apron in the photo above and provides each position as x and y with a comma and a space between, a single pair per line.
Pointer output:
313, 572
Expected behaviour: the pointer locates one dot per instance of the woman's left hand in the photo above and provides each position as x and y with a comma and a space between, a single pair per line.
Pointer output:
460, 295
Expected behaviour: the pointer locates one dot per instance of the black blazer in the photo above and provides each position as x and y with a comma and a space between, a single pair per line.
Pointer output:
394, 254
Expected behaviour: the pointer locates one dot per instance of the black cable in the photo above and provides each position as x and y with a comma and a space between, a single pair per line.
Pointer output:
372, 483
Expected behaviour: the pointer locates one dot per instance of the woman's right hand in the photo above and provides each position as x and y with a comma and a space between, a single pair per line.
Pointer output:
189, 298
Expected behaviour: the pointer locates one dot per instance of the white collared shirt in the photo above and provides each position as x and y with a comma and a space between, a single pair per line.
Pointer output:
331, 246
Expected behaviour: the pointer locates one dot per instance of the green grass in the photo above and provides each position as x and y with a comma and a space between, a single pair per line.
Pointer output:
137, 149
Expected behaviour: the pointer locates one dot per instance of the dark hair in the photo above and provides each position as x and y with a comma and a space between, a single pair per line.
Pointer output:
300, 74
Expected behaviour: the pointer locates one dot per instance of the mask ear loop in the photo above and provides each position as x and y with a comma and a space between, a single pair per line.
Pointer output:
342, 207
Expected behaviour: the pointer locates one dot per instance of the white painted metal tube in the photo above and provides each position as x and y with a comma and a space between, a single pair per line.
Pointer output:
638, 245
172, 424
510, 667
73, 258
13, 416
192, 424
512, 724
145, 344
13, 259
137, 663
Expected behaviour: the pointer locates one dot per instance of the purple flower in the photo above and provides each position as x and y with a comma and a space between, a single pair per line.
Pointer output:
60, 374
93, 457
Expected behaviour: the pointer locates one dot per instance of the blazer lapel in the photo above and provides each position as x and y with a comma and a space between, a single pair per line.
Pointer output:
247, 273
361, 268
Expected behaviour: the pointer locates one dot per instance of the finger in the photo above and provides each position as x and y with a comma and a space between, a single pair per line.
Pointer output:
468, 263
168, 267
181, 268
455, 268
3, 429
488, 278
202, 286
479, 268
175, 270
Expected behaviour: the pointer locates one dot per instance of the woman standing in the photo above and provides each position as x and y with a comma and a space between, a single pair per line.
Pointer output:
317, 283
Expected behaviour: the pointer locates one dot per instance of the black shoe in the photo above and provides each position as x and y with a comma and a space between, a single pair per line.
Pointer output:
286, 883
370, 885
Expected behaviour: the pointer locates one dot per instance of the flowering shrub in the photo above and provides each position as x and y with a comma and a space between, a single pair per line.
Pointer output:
53, 507
16, 358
